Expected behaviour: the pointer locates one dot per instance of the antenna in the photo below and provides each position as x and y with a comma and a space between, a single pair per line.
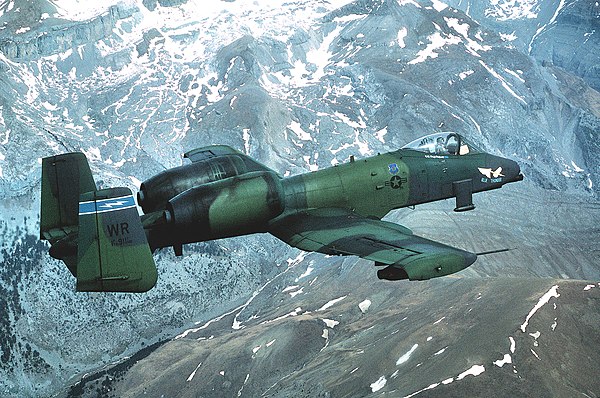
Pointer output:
493, 251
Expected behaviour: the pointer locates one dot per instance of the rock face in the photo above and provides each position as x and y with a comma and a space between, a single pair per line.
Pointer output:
564, 33
300, 86
579, 22
414, 342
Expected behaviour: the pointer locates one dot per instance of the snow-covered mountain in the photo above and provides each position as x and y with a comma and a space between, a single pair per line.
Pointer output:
563, 33
300, 85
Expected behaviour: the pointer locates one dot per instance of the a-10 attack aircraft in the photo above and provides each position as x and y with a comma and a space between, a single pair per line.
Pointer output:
222, 193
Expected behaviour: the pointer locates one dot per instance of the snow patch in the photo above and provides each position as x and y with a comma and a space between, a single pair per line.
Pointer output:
438, 5
506, 10
542, 301
402, 33
364, 305
465, 74
321, 56
296, 312
437, 41
504, 83
406, 356
380, 134
191, 376
405, 2
379, 384
92, 153
429, 387
508, 37
331, 323
246, 138
576, 168
297, 260
79, 10
440, 351
297, 129
501, 362
515, 74
461, 28
475, 370
306, 273
331, 303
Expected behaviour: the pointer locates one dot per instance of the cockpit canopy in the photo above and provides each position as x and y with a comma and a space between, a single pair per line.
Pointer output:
442, 144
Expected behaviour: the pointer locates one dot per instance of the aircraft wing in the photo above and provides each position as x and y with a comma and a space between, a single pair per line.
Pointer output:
336, 231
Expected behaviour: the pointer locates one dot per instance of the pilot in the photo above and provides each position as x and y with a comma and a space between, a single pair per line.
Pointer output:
440, 146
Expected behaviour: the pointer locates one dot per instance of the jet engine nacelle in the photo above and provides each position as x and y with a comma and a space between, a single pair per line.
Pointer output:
156, 191
239, 204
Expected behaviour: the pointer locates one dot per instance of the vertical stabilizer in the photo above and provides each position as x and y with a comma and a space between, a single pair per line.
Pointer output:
97, 234
64, 178
112, 251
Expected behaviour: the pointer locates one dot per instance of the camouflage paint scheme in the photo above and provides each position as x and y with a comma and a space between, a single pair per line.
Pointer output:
224, 193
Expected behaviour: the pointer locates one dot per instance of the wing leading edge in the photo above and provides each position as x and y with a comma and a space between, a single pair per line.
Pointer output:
337, 231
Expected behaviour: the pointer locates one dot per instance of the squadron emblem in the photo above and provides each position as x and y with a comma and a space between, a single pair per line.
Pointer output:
493, 176
489, 173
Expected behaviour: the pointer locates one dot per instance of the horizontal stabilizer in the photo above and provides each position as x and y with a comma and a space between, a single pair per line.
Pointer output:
112, 253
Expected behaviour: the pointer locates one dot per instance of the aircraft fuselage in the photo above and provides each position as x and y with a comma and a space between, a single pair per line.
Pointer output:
371, 187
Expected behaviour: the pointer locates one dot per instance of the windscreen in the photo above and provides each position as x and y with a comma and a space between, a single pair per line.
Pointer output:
442, 144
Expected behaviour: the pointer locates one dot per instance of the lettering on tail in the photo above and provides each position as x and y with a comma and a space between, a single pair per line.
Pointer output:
119, 234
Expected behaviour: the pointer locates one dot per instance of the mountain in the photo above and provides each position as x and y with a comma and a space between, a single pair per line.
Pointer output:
300, 86
562, 33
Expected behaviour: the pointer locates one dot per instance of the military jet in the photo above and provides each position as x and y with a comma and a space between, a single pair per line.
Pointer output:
222, 193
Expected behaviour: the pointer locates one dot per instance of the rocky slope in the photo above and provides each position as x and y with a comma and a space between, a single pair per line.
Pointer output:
564, 33
299, 85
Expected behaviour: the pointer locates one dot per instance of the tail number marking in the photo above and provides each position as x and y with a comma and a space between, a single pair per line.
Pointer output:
119, 234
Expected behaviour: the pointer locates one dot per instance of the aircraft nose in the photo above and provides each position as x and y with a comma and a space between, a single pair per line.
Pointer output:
502, 170
513, 171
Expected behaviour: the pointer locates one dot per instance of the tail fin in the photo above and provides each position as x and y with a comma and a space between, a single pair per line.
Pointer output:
64, 178
112, 251
98, 234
